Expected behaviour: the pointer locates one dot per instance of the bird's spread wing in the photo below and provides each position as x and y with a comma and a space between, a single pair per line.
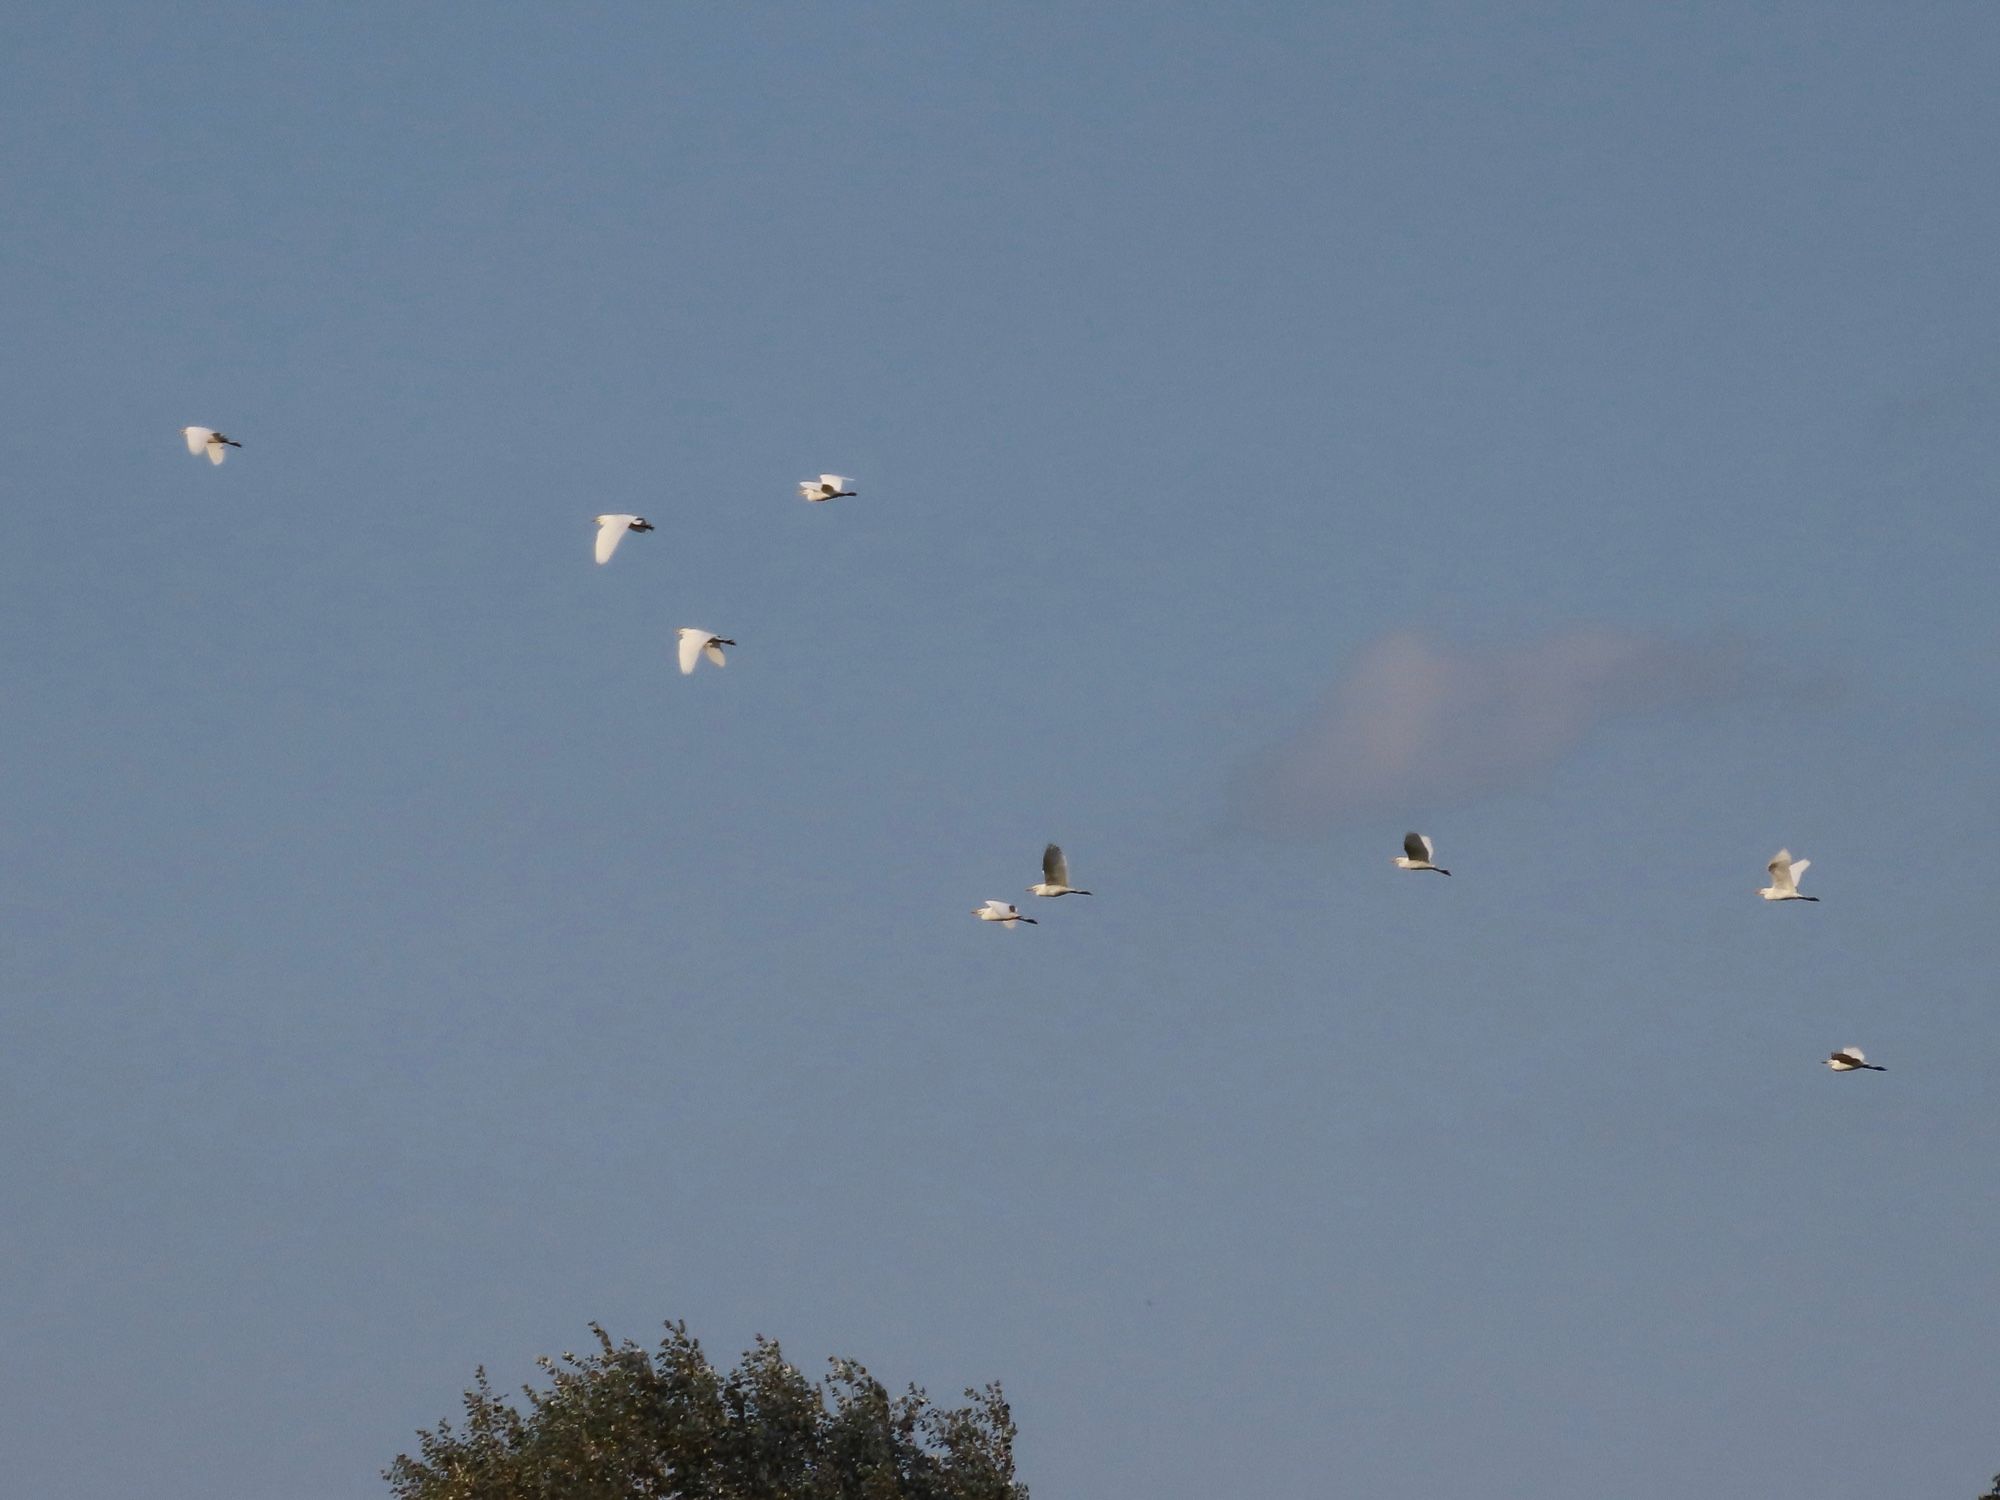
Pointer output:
1852, 1054
610, 532
691, 643
197, 438
1416, 846
1780, 869
1799, 867
713, 649
833, 481
216, 452
1055, 869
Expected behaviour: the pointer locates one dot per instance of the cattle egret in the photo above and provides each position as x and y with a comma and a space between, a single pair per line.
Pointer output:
1785, 873
1418, 854
1847, 1059
208, 440
695, 642
826, 487
1055, 876
1002, 912
611, 531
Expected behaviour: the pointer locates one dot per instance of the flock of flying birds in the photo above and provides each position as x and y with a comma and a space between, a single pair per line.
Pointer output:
1418, 851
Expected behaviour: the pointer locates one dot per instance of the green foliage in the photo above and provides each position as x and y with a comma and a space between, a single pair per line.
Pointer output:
622, 1424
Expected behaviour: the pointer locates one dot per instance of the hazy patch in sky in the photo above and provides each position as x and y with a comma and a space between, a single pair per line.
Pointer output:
1414, 723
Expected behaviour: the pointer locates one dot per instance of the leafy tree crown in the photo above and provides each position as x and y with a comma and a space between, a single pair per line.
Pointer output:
622, 1423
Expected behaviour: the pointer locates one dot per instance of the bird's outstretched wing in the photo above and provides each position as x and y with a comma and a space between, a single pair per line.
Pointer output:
1852, 1054
216, 452
197, 438
1416, 846
1799, 867
691, 643
1055, 869
1780, 869
610, 532
713, 650
835, 481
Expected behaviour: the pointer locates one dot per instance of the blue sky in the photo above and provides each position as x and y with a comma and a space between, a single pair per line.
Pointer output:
404, 965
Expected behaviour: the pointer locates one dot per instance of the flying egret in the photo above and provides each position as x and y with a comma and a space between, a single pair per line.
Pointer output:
611, 531
1418, 854
1002, 912
695, 642
1055, 876
1847, 1059
826, 487
208, 440
1785, 873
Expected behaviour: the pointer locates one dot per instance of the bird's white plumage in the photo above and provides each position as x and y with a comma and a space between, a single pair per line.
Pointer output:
1055, 875
1419, 853
1785, 872
610, 532
1002, 912
694, 644
206, 440
826, 487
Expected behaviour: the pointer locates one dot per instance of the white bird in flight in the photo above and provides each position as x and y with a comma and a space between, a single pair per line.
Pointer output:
1418, 854
208, 440
1847, 1059
1002, 912
611, 531
1055, 876
695, 642
1785, 873
826, 487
